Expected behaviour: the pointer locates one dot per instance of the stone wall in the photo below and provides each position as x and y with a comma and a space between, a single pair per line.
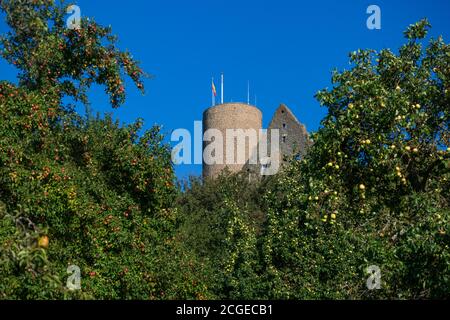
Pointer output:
294, 138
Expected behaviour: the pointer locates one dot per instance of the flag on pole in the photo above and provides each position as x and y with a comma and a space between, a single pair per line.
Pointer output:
213, 92
213, 87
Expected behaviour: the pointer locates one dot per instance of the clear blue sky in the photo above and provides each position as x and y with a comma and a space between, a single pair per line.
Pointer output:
285, 48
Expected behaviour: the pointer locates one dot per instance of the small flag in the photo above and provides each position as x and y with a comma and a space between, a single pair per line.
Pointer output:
213, 88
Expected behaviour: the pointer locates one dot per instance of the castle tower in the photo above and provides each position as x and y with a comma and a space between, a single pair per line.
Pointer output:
235, 116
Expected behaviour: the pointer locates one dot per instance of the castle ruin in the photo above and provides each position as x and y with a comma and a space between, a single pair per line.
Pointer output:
240, 117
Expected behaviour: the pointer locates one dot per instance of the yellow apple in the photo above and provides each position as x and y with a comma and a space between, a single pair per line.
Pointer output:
43, 242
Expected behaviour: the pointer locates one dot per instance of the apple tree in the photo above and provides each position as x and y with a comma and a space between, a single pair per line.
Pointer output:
75, 190
374, 187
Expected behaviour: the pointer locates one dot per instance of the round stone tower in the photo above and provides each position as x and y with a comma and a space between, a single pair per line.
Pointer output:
237, 117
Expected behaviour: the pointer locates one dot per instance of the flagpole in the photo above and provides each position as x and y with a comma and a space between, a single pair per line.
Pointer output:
248, 92
221, 90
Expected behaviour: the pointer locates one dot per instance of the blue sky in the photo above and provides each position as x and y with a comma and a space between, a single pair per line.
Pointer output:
285, 48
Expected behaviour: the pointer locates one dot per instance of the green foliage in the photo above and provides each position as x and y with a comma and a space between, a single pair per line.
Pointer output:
99, 193
373, 189
103, 194
221, 221
52, 58
29, 267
